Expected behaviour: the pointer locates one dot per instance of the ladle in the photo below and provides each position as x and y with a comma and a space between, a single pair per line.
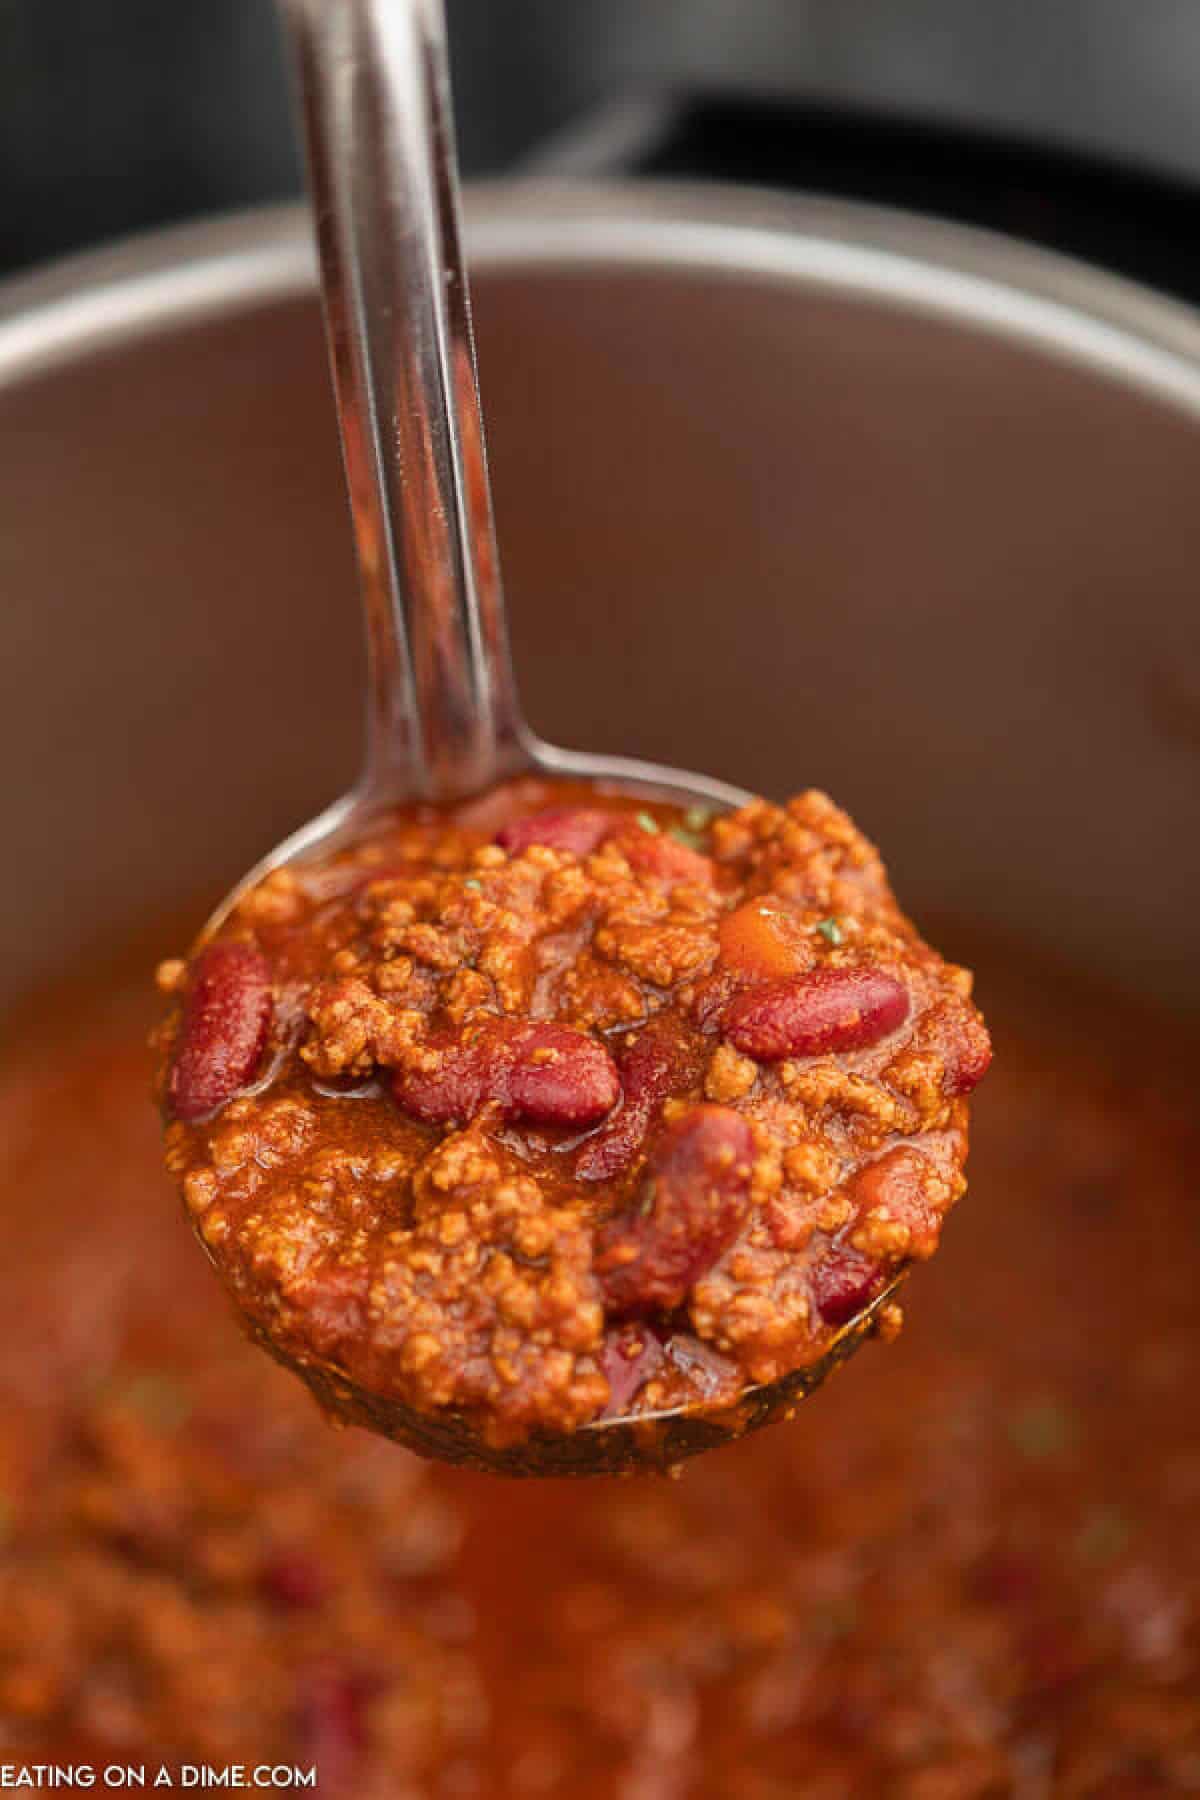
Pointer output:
443, 718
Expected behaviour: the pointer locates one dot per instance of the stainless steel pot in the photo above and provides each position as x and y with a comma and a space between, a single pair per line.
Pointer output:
796, 493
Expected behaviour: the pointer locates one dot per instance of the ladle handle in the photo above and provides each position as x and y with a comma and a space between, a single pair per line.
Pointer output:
443, 717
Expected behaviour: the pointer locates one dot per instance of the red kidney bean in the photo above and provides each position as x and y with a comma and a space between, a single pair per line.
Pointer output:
825, 1010
578, 830
967, 1053
542, 1074
762, 941
294, 1581
661, 1061
842, 1283
661, 857
227, 1013
629, 1356
689, 1210
560, 1076
453, 1088
331, 1723
1003, 1577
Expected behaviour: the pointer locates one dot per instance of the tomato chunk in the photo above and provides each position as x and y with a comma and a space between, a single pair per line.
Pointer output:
578, 830
664, 858
762, 941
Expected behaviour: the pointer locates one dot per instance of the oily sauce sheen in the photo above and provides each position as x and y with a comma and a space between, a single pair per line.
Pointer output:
970, 1567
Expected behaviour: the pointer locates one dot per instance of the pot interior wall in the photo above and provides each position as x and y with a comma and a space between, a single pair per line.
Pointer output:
772, 530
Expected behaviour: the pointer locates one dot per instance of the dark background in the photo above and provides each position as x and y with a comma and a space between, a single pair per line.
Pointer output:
1074, 123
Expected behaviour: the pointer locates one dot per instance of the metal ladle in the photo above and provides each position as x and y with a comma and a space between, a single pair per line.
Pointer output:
443, 718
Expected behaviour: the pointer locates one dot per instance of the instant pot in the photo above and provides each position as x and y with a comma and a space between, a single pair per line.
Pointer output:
799, 493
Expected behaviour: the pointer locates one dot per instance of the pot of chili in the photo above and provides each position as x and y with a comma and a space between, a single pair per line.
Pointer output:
799, 493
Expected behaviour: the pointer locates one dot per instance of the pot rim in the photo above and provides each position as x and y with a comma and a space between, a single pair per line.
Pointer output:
102, 299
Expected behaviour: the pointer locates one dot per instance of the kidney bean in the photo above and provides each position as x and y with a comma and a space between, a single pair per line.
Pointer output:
629, 1356
1004, 1577
294, 1581
664, 858
578, 830
539, 1073
689, 1210
226, 1021
761, 941
843, 1282
825, 1010
967, 1053
331, 1722
560, 1076
661, 1061
452, 1089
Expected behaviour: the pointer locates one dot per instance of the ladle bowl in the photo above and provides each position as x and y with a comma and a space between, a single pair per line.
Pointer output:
657, 1441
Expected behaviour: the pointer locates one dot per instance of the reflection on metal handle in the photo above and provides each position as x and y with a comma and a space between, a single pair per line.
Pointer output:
442, 710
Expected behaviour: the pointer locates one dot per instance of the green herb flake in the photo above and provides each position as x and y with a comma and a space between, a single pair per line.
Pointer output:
648, 823
835, 1619
691, 839
830, 930
698, 818
646, 1199
156, 1397
476, 887
1043, 1430
1105, 1532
